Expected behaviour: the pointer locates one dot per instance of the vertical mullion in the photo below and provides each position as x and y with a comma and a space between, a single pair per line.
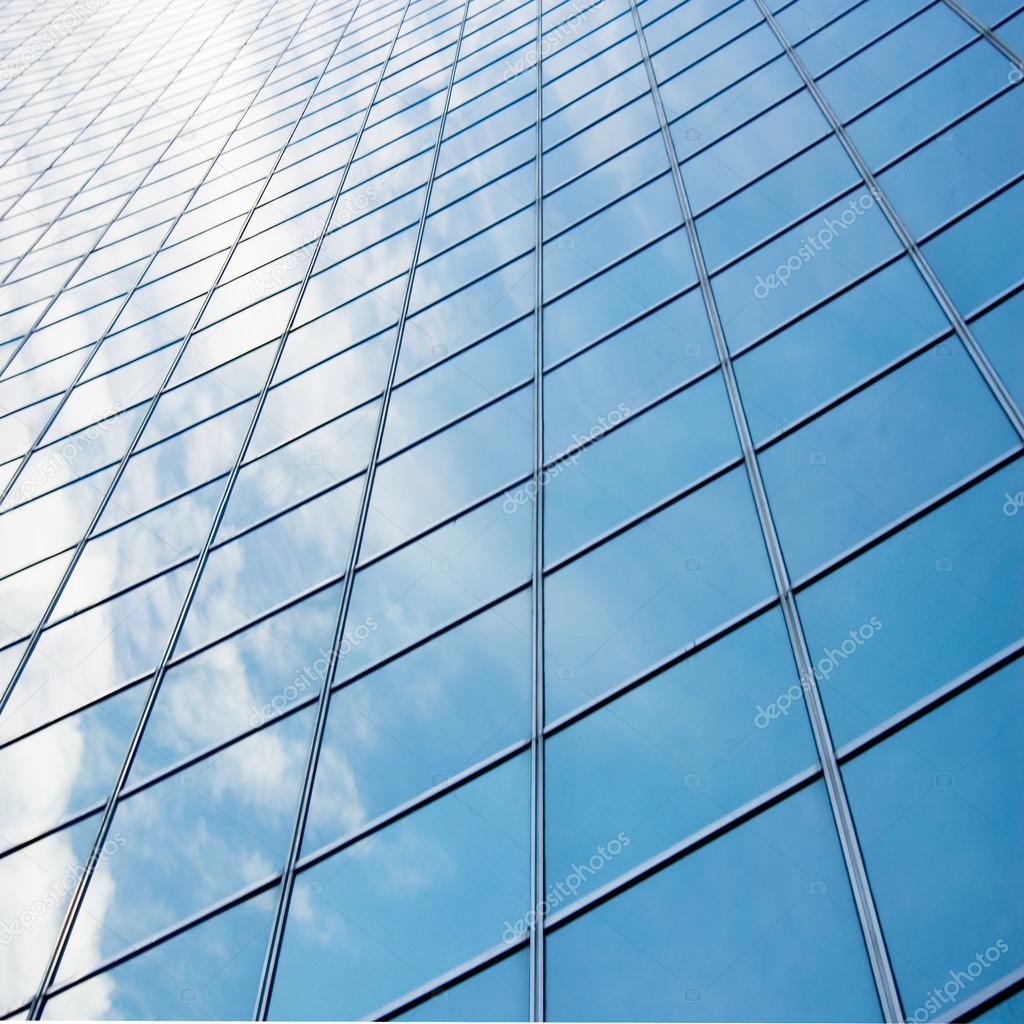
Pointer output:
78, 896
867, 913
963, 332
274, 942
538, 881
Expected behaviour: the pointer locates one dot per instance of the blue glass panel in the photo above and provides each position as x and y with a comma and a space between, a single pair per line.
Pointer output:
618, 295
501, 992
801, 267
998, 333
208, 972
245, 681
634, 366
871, 625
681, 751
775, 200
718, 69
780, 133
874, 458
835, 347
609, 235
652, 590
422, 718
630, 470
978, 257
957, 773
769, 933
988, 12
829, 42
93, 653
972, 159
893, 60
927, 104
370, 924
193, 840
450, 572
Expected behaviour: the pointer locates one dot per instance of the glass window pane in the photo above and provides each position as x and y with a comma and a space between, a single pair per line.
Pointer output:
500, 992
442, 474
66, 767
631, 469
268, 669
421, 587
410, 725
192, 840
836, 346
998, 333
95, 652
618, 295
875, 457
208, 972
770, 933
956, 772
928, 103
652, 590
672, 756
36, 886
977, 257
801, 267
393, 924
634, 366
871, 625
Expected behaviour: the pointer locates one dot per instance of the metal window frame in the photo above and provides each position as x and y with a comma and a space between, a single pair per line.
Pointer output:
878, 957
959, 326
5, 697
602, 538
77, 899
538, 884
721, 826
273, 952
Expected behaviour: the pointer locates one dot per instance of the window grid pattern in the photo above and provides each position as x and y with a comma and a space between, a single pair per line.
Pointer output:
346, 332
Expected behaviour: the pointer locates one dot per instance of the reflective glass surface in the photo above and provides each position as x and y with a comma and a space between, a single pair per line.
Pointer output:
472, 471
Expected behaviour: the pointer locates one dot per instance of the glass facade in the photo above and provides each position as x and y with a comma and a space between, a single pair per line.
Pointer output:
443, 574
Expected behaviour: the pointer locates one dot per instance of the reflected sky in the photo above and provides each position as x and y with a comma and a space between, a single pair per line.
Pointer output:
420, 874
